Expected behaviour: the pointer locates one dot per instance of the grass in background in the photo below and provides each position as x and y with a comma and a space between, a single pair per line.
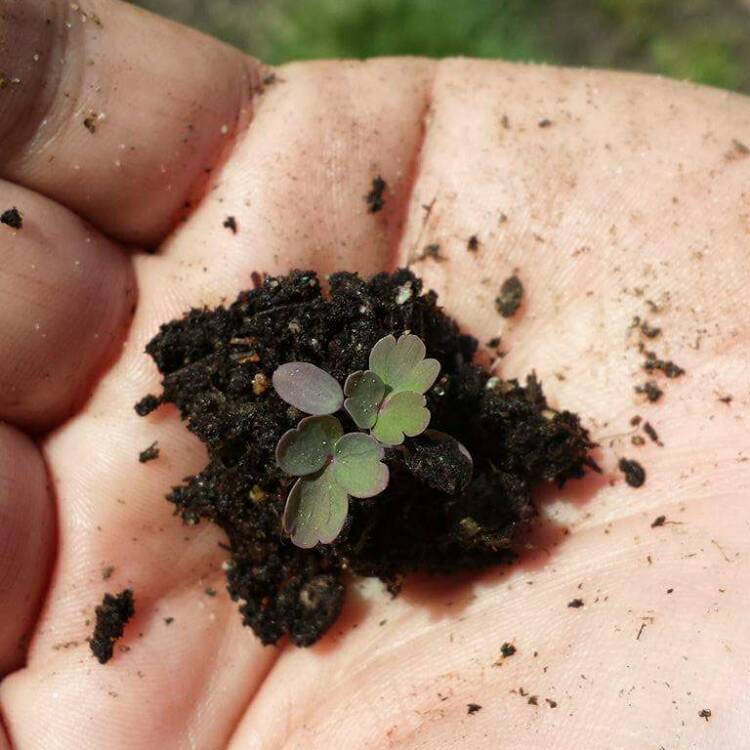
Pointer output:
707, 41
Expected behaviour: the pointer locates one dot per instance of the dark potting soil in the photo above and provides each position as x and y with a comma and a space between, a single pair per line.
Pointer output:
111, 617
12, 217
428, 518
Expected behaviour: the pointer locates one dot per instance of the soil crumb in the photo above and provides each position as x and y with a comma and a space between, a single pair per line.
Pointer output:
705, 713
507, 649
434, 516
473, 244
149, 454
658, 521
374, 198
12, 218
472, 708
230, 223
651, 432
146, 405
669, 368
111, 617
652, 391
635, 474
575, 603
511, 294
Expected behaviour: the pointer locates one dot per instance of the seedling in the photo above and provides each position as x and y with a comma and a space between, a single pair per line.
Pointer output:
387, 399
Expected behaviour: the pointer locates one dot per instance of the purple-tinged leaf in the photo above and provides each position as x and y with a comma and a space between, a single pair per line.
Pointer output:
308, 388
306, 448
365, 391
357, 465
315, 509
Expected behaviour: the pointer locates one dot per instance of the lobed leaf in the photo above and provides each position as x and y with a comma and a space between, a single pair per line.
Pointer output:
357, 465
401, 414
305, 449
365, 392
308, 388
401, 364
315, 509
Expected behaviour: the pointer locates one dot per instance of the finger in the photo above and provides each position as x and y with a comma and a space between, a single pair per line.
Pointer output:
26, 542
67, 295
116, 113
171, 565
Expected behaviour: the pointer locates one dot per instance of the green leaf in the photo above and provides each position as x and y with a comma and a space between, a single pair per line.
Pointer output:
365, 391
401, 364
315, 509
305, 449
358, 467
401, 414
307, 387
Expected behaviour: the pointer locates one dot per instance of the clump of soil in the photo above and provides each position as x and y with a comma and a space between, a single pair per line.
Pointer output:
511, 294
430, 517
12, 217
111, 617
374, 198
635, 474
149, 454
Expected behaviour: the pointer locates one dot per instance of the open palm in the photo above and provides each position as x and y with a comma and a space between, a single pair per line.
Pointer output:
612, 196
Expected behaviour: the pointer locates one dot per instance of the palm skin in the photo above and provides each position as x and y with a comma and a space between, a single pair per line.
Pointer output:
636, 191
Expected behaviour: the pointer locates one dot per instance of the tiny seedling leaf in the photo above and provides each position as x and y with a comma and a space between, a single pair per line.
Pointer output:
305, 449
307, 387
358, 467
401, 414
315, 509
365, 392
401, 364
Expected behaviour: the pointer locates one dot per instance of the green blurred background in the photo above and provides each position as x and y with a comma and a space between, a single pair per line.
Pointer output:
707, 41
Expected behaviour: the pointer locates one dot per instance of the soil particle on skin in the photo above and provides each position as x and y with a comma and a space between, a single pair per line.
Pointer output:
533, 700
107, 572
669, 368
575, 603
111, 617
511, 294
473, 244
705, 713
652, 391
507, 649
472, 708
149, 454
651, 432
635, 474
89, 123
431, 251
374, 198
658, 521
12, 218
146, 405
168, 620
544, 123
230, 223
433, 516
551, 703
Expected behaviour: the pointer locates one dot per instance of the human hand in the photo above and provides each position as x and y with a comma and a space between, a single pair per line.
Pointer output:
635, 191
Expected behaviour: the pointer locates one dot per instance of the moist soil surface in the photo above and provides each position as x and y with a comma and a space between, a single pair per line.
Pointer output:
217, 367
